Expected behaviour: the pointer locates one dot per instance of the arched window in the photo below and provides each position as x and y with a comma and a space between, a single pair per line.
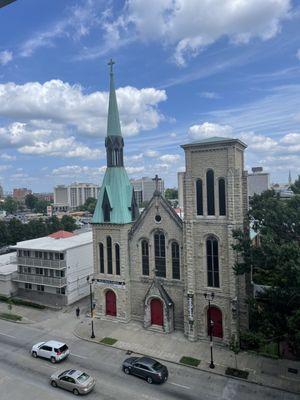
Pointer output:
117, 254
210, 192
160, 254
106, 208
175, 261
109, 255
101, 257
212, 254
199, 197
145, 257
222, 197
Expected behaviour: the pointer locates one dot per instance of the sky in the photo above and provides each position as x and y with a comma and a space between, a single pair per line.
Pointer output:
185, 70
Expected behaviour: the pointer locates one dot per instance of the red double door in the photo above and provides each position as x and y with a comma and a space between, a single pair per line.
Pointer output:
157, 315
111, 303
216, 317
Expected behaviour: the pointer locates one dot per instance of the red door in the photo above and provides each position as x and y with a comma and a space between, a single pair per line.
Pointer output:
216, 318
111, 303
157, 315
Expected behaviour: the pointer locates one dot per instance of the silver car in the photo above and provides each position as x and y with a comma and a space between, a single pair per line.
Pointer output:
73, 380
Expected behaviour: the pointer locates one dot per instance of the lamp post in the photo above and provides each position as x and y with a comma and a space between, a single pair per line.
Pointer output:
209, 297
91, 301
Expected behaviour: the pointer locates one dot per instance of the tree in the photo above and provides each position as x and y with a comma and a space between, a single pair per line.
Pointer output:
275, 262
10, 205
36, 228
4, 236
296, 186
31, 201
53, 225
171, 194
16, 231
68, 223
90, 205
41, 206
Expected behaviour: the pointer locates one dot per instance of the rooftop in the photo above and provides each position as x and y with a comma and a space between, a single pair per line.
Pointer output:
61, 235
214, 140
47, 243
7, 265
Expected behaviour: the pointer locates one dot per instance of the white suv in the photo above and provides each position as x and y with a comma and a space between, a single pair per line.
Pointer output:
53, 350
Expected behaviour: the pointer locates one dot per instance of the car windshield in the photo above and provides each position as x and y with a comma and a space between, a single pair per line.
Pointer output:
157, 366
83, 377
63, 373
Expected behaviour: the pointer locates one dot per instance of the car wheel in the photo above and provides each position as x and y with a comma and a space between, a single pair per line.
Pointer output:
34, 354
149, 379
75, 391
53, 360
127, 371
53, 383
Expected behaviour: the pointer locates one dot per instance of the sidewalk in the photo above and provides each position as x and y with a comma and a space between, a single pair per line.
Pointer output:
171, 347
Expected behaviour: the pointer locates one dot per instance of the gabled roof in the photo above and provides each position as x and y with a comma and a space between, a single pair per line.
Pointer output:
156, 286
120, 191
165, 204
61, 234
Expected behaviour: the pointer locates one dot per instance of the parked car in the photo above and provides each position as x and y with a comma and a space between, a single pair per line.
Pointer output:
73, 380
146, 368
53, 350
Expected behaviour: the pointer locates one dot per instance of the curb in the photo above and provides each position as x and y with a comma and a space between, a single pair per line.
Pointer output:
18, 322
189, 366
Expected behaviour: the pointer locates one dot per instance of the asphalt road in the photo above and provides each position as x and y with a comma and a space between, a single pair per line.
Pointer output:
23, 377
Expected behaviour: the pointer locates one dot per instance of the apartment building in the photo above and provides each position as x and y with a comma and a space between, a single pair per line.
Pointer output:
53, 270
144, 188
68, 197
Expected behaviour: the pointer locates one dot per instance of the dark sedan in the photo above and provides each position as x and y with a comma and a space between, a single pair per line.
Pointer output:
146, 368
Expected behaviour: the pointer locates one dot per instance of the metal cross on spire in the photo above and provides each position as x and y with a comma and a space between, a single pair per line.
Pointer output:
156, 179
111, 63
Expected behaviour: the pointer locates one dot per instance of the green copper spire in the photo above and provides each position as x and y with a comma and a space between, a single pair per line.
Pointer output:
113, 120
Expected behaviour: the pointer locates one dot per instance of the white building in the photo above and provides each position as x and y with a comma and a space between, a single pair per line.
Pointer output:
74, 195
53, 270
145, 187
7, 268
258, 181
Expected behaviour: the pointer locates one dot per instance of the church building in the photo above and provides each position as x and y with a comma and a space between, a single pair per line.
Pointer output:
159, 269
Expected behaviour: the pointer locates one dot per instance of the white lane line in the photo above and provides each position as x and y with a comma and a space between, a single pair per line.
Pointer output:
77, 355
47, 366
11, 336
177, 384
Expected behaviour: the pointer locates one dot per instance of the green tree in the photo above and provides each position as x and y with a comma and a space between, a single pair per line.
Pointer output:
30, 201
90, 205
275, 262
4, 236
10, 205
296, 186
41, 206
53, 225
68, 223
16, 231
36, 228
171, 194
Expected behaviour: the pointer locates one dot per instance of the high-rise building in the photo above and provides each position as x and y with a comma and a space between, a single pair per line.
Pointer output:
1, 192
74, 195
145, 187
258, 181
19, 194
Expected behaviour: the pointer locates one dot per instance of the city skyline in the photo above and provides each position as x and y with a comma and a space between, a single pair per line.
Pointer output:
177, 80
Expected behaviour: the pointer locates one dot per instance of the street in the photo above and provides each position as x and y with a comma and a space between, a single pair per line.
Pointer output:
25, 377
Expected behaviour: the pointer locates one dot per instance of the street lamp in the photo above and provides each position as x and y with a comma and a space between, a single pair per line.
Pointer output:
209, 297
91, 300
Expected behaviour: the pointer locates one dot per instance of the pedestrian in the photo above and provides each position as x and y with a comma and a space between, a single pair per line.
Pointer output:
77, 312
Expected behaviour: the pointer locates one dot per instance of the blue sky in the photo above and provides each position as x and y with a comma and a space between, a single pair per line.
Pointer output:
185, 70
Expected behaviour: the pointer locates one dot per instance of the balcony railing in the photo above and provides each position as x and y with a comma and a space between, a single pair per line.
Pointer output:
39, 279
37, 262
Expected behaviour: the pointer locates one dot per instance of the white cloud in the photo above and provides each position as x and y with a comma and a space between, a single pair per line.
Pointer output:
4, 167
210, 95
57, 102
192, 25
134, 170
5, 156
259, 142
291, 138
5, 57
209, 129
76, 171
152, 153
170, 158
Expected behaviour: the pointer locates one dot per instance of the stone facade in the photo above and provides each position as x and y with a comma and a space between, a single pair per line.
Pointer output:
181, 301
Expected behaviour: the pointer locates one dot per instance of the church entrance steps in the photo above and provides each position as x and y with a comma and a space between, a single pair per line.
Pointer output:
156, 328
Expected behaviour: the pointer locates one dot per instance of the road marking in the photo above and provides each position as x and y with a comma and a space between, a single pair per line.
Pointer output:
4, 334
77, 355
47, 366
177, 384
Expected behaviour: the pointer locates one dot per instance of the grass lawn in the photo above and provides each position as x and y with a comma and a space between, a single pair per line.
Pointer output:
194, 362
13, 317
108, 340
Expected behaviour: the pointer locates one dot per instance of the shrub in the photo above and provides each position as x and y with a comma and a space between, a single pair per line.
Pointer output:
251, 340
237, 373
194, 362
108, 340
13, 317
